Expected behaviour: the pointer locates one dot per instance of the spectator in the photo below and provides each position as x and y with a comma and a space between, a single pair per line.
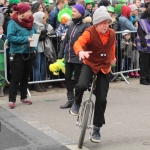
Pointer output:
82, 2
8, 16
135, 53
114, 23
144, 48
40, 61
3, 38
14, 1
124, 23
53, 15
26, 1
64, 17
89, 6
73, 64
134, 10
137, 3
21, 55
37, 7
114, 3
105, 3
126, 48
122, 2
118, 10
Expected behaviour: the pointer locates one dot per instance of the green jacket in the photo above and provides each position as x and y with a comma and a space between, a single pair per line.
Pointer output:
18, 38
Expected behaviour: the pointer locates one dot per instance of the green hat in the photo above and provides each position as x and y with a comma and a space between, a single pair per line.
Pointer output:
46, 2
90, 2
118, 9
14, 1
110, 9
121, 1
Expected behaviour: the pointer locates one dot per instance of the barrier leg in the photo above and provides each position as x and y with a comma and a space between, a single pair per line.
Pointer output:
124, 78
28, 92
114, 78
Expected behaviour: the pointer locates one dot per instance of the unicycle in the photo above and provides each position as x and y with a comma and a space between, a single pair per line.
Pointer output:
85, 118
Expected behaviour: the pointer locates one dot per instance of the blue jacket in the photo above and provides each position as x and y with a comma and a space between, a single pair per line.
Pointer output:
18, 38
53, 18
125, 24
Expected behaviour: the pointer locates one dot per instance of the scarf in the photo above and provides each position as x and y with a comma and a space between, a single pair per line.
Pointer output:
77, 20
25, 23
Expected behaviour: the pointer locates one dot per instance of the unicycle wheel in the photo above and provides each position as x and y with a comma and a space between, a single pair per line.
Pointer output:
84, 127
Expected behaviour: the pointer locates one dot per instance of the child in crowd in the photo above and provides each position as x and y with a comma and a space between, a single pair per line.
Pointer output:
126, 50
64, 17
3, 38
96, 47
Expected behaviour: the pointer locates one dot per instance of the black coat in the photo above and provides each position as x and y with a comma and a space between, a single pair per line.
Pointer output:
73, 33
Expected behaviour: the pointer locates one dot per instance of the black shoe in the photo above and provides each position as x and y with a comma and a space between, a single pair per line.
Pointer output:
67, 105
70, 101
144, 82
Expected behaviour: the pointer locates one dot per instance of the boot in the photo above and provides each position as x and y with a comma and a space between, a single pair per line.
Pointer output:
70, 101
1, 91
38, 88
43, 88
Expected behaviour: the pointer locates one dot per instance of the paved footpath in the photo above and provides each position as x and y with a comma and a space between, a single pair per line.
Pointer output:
44, 126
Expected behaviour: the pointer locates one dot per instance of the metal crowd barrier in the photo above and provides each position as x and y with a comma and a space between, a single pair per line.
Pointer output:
126, 61
48, 77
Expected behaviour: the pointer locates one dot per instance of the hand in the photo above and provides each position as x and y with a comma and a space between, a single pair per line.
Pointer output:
127, 43
84, 54
144, 50
113, 62
134, 44
30, 39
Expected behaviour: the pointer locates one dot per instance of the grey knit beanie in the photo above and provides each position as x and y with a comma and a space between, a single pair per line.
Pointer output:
100, 15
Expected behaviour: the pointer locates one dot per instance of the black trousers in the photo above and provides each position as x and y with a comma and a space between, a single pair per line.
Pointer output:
20, 71
70, 67
102, 86
145, 66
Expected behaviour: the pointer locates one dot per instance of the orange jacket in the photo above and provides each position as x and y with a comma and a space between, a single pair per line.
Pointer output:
85, 39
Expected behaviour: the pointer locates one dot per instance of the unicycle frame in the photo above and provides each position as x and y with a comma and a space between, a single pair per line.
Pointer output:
82, 122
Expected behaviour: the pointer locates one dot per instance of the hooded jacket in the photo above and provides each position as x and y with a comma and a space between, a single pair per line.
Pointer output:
73, 33
124, 23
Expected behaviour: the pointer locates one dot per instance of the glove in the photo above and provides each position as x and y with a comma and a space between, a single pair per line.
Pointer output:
43, 35
144, 50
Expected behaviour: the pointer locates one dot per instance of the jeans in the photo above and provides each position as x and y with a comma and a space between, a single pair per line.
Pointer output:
40, 67
70, 67
102, 86
20, 68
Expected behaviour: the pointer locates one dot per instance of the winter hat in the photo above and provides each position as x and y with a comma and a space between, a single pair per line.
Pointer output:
110, 9
133, 7
38, 17
90, 2
65, 15
46, 2
100, 15
125, 32
22, 8
79, 8
114, 2
14, 1
121, 1
118, 8
104, 3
